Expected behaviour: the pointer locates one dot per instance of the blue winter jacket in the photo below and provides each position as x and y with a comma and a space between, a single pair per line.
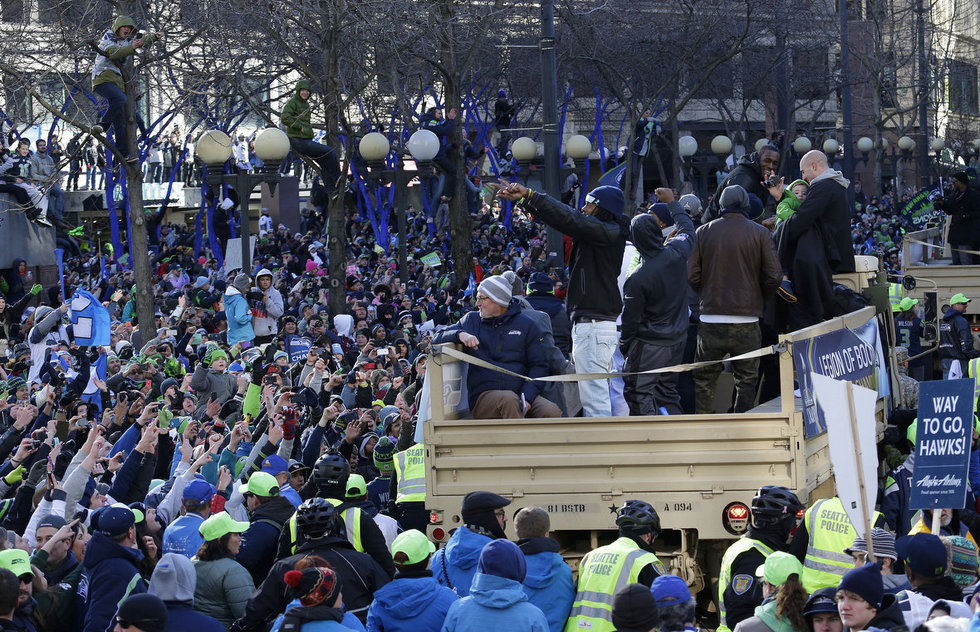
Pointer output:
895, 502
182, 536
460, 556
495, 603
348, 624
113, 575
410, 604
239, 317
548, 584
512, 341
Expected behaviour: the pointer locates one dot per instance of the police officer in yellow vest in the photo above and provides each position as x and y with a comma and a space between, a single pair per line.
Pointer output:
604, 571
774, 510
895, 293
408, 489
820, 541
330, 476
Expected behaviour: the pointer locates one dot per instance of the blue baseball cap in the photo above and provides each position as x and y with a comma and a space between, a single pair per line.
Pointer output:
275, 464
113, 521
924, 553
670, 590
199, 491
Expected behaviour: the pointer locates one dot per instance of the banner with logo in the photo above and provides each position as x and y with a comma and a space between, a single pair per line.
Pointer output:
298, 348
841, 355
943, 438
919, 210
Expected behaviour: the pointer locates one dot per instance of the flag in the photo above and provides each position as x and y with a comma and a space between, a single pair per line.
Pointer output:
59, 254
471, 286
90, 320
432, 259
91, 394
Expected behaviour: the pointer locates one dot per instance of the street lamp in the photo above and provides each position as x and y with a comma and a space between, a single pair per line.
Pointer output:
938, 145
759, 144
423, 146
721, 145
802, 145
214, 149
687, 146
906, 144
578, 147
831, 147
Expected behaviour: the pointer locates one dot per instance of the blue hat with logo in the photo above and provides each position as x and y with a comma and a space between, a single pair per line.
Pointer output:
113, 521
609, 198
275, 464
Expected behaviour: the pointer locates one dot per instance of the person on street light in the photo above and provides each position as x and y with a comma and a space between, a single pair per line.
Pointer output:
297, 121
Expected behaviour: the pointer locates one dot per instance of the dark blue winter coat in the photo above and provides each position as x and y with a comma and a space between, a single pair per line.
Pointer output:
548, 584
181, 617
458, 560
113, 574
561, 327
511, 341
410, 603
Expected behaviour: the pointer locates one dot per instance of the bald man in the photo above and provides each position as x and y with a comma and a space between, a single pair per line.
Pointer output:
818, 242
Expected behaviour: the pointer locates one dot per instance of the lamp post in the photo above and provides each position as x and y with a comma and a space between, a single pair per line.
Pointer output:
214, 149
423, 146
938, 145
721, 146
524, 150
687, 146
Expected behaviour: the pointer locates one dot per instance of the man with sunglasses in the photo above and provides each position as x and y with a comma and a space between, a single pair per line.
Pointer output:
599, 235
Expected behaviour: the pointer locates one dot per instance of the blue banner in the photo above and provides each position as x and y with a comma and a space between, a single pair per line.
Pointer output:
840, 355
943, 438
919, 210
298, 348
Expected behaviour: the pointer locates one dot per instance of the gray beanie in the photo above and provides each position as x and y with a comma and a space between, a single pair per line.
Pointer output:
691, 203
498, 289
241, 282
734, 196
516, 285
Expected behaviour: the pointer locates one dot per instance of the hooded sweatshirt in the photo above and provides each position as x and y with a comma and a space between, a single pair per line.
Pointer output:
296, 113
495, 603
115, 50
413, 602
173, 582
790, 203
455, 565
266, 313
548, 584
113, 574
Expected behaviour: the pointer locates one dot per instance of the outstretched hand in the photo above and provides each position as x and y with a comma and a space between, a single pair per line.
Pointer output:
511, 191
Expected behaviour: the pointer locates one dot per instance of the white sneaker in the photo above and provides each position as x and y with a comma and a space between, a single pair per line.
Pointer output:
43, 221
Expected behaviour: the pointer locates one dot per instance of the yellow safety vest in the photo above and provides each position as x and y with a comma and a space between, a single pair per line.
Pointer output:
895, 295
601, 573
973, 369
738, 547
410, 470
352, 523
830, 532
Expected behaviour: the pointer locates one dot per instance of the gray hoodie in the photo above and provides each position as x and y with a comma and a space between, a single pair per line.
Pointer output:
174, 578
265, 322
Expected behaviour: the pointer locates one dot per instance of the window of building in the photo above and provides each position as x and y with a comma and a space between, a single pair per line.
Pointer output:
961, 88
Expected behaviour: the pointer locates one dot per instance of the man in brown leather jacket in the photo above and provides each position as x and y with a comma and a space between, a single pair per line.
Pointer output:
734, 267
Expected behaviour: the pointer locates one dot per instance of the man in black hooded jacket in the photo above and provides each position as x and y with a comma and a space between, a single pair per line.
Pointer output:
655, 312
750, 173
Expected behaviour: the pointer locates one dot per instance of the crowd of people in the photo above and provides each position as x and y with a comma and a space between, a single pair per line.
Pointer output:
250, 460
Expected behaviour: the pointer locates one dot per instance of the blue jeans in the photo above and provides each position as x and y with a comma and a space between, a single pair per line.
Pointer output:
115, 116
56, 202
593, 344
323, 155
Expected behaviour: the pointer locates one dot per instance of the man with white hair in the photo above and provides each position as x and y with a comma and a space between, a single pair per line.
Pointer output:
501, 334
818, 240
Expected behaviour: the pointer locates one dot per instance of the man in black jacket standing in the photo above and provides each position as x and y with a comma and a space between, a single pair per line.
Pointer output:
818, 238
594, 303
655, 312
964, 208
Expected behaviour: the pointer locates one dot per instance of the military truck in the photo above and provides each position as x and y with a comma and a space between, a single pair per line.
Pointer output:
699, 471
929, 276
